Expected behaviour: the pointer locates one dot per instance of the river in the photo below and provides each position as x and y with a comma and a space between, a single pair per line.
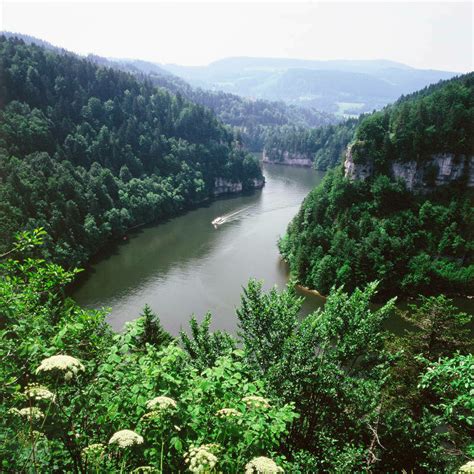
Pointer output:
185, 265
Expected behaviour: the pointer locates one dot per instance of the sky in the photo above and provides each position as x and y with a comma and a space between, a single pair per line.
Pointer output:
423, 34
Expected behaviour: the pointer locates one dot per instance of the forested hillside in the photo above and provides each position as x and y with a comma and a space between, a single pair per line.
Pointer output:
323, 146
255, 119
88, 152
351, 231
251, 119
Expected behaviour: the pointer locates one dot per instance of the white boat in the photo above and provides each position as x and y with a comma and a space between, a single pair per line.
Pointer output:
218, 221
222, 219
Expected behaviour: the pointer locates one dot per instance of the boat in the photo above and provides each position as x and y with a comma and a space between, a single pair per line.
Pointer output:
222, 219
218, 221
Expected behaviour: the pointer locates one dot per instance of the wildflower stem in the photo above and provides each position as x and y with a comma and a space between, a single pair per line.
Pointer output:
161, 454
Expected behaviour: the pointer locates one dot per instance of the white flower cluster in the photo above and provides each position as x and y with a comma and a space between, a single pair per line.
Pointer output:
62, 363
262, 465
254, 401
32, 413
39, 392
228, 412
126, 438
469, 467
161, 403
200, 459
93, 453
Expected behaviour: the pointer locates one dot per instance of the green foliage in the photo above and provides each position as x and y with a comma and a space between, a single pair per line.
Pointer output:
325, 364
414, 399
353, 232
88, 152
329, 393
117, 376
349, 233
325, 146
254, 121
152, 331
205, 347
452, 381
263, 334
440, 328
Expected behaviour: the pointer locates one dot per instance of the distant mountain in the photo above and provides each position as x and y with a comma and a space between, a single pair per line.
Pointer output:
344, 87
253, 118
237, 65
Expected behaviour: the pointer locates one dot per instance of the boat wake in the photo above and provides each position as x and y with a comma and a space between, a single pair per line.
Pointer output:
227, 217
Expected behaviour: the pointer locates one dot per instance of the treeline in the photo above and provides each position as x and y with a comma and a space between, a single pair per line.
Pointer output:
438, 119
87, 152
348, 233
325, 146
331, 393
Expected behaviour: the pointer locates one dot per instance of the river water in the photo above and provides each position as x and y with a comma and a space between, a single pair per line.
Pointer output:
185, 265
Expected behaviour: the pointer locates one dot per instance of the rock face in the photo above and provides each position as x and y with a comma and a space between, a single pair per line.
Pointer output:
355, 171
225, 186
292, 159
442, 168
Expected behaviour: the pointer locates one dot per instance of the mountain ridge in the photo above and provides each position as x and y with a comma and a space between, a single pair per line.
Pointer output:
295, 81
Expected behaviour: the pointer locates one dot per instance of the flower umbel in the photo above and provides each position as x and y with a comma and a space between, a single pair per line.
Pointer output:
62, 363
468, 467
32, 413
200, 459
160, 403
254, 401
39, 392
262, 465
126, 438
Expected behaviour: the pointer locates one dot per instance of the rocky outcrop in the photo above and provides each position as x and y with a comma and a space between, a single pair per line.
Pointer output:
353, 171
442, 168
225, 186
289, 158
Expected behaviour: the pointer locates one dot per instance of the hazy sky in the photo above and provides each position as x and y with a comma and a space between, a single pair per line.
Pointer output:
422, 34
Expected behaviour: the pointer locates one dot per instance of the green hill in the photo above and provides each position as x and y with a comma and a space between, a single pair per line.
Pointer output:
403, 213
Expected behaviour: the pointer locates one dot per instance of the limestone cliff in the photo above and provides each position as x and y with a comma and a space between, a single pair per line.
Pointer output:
441, 168
225, 186
289, 158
